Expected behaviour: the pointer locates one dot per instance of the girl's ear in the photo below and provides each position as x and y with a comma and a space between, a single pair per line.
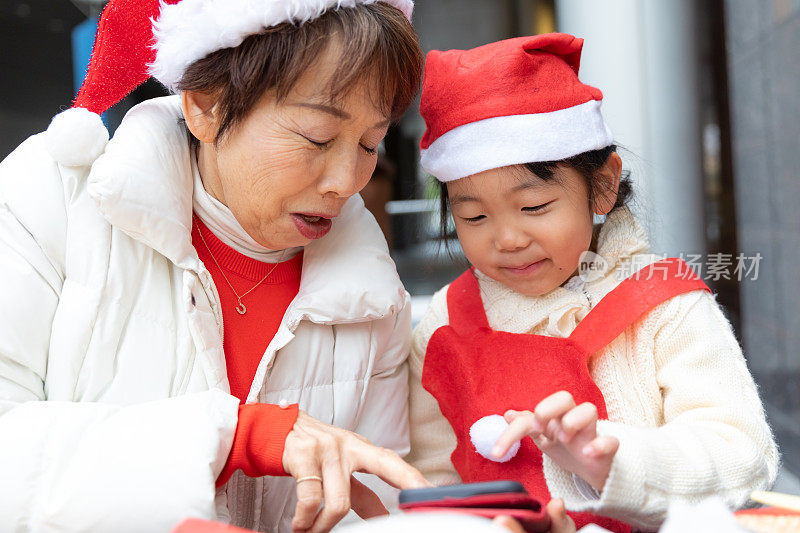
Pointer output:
200, 113
609, 174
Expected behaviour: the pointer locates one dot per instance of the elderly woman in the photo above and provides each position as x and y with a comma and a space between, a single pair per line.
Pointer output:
205, 301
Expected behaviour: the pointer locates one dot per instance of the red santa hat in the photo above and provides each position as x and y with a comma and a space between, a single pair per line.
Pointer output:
508, 103
137, 39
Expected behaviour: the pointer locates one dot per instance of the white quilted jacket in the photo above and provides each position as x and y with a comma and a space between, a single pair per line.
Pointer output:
115, 412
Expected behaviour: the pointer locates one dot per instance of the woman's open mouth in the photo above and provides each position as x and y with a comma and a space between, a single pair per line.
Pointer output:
312, 226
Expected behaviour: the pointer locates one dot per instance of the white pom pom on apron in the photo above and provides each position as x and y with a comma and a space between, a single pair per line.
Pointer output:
484, 434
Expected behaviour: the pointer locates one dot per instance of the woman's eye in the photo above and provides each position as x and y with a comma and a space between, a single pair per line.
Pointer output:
324, 144
319, 144
474, 219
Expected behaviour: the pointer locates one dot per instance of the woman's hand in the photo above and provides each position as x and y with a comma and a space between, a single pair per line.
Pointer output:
559, 521
323, 458
565, 432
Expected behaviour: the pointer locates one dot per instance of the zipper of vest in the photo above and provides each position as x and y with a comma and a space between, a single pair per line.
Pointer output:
213, 300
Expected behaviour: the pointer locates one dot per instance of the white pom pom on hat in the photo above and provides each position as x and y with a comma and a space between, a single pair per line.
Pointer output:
76, 137
131, 32
484, 434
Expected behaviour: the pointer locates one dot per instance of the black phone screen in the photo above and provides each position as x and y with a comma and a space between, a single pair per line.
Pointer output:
464, 490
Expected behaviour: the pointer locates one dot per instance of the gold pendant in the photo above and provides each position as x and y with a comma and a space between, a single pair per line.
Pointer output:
241, 309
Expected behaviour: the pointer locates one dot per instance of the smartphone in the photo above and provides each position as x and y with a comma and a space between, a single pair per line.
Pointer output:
488, 499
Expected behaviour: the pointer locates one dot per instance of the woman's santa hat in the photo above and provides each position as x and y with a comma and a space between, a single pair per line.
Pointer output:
137, 39
508, 103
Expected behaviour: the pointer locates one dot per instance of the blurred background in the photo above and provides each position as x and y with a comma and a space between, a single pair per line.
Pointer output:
702, 95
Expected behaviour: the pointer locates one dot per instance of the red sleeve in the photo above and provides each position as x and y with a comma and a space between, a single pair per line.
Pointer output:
259, 440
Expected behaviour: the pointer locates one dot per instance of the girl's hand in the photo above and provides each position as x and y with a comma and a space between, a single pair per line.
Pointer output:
559, 521
315, 451
565, 432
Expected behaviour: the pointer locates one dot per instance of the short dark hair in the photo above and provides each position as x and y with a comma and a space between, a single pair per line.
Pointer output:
377, 43
587, 164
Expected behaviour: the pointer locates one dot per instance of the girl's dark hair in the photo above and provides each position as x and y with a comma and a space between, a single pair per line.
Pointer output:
587, 164
375, 43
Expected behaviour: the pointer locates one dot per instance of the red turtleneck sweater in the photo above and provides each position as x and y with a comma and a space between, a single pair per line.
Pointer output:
262, 428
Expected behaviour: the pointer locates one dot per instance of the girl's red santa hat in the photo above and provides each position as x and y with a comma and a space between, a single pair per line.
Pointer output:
137, 39
508, 103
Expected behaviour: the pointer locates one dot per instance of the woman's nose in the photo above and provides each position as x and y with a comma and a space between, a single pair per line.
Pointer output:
341, 176
510, 238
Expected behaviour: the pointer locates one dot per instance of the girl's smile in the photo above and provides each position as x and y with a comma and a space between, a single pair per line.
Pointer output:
525, 269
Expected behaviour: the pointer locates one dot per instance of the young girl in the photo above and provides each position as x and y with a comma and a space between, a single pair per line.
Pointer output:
628, 380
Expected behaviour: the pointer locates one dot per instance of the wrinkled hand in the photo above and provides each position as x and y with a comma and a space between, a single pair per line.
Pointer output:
333, 454
565, 432
559, 521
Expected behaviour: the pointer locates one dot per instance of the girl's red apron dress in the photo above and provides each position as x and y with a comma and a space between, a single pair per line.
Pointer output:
473, 371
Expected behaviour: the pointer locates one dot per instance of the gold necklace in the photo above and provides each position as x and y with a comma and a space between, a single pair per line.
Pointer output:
241, 309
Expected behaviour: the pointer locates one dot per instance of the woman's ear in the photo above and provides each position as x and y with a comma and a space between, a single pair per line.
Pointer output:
610, 174
200, 113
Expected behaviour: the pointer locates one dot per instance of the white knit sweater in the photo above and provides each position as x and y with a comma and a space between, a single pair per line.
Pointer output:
677, 390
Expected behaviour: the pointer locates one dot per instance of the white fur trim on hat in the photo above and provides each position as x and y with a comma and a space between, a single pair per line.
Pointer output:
76, 137
516, 139
191, 29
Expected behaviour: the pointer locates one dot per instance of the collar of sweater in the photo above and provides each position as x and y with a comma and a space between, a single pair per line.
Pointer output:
229, 259
143, 185
620, 242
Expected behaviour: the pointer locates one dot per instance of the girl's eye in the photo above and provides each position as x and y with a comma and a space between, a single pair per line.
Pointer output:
370, 151
536, 208
474, 219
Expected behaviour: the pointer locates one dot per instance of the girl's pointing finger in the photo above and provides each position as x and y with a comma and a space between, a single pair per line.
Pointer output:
515, 431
